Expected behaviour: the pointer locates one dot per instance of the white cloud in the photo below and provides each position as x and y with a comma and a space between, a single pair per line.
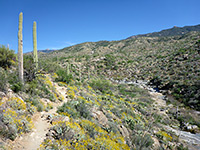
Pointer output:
70, 43
62, 45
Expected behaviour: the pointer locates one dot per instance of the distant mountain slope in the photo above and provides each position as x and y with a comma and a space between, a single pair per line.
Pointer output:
42, 51
171, 63
170, 32
46, 51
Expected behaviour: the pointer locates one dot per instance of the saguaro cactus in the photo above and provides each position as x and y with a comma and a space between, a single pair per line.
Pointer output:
35, 56
20, 48
68, 72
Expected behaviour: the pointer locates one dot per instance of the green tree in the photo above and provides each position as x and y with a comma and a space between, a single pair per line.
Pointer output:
7, 57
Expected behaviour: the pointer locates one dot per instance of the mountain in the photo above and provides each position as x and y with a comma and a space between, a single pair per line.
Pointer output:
42, 51
170, 32
170, 63
46, 51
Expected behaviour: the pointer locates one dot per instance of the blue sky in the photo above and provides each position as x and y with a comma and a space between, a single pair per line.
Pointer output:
62, 23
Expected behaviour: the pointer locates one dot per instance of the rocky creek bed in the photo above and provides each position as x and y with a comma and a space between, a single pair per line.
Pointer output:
192, 140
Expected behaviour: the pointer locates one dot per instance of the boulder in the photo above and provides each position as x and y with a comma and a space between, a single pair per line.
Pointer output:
2, 94
99, 115
192, 128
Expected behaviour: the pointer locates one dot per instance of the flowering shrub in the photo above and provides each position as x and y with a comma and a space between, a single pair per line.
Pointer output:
14, 118
71, 135
48, 90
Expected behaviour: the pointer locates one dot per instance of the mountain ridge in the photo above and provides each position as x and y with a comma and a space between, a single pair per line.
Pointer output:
157, 59
169, 32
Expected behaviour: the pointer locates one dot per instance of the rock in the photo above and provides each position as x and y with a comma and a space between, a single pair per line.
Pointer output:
99, 115
2, 94
49, 117
45, 100
59, 118
192, 128
170, 105
123, 131
156, 144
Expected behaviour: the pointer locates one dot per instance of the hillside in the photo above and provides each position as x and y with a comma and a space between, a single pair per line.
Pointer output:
171, 63
171, 32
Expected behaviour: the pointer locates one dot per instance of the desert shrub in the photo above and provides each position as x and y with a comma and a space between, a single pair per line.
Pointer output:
163, 136
124, 91
3, 80
35, 101
7, 57
189, 95
9, 79
71, 135
48, 66
181, 147
16, 87
29, 68
41, 86
64, 76
66, 130
105, 86
14, 118
130, 123
32, 87
75, 109
13, 80
48, 107
110, 61
142, 141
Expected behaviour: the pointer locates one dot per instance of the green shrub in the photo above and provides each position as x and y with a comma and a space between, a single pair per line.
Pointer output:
123, 90
14, 118
75, 109
29, 68
13, 80
16, 87
64, 76
7, 57
110, 61
142, 141
48, 66
105, 86
182, 147
3, 80
37, 103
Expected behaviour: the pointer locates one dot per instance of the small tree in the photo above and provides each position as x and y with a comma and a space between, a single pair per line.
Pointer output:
7, 57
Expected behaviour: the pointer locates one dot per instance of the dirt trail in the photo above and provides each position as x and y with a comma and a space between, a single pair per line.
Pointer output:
32, 140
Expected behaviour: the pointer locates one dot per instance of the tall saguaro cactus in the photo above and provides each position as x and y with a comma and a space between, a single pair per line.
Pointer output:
35, 56
20, 48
